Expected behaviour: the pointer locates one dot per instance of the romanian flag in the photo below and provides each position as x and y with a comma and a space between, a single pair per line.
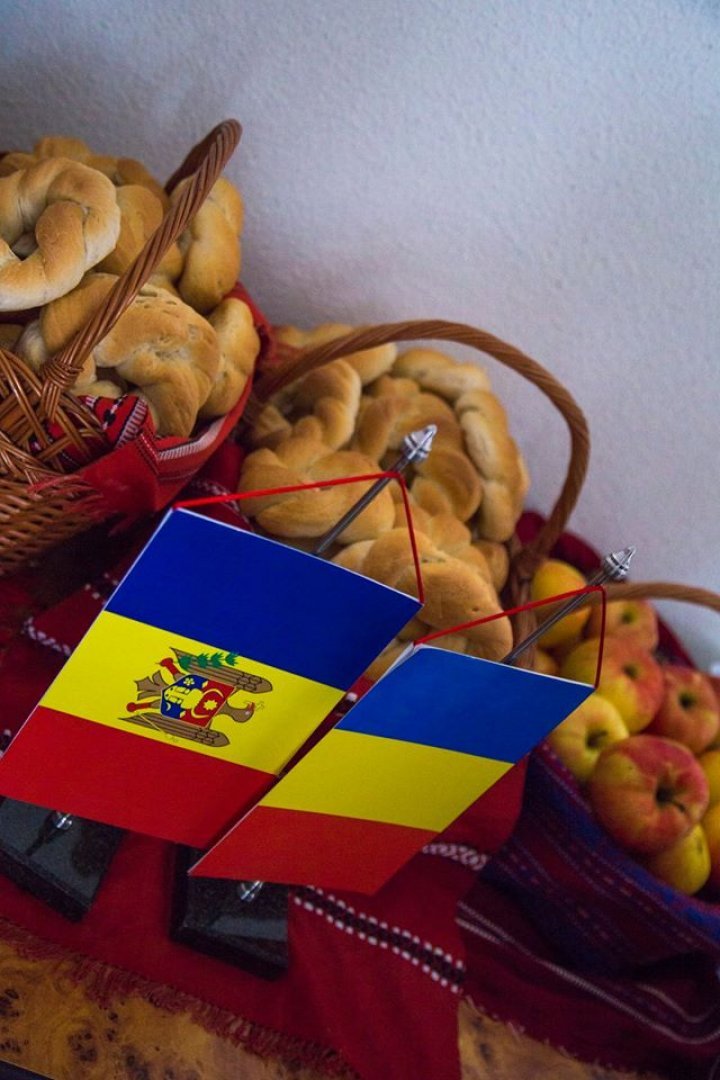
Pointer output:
425, 742
214, 660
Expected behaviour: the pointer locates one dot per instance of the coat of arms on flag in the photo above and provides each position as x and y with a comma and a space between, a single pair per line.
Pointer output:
201, 687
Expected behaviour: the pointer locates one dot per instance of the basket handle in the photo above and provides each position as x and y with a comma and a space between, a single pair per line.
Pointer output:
208, 159
664, 590
527, 559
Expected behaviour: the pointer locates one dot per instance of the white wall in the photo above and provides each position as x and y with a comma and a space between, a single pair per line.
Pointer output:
544, 169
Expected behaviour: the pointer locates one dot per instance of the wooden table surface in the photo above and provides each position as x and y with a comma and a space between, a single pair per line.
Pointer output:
48, 1024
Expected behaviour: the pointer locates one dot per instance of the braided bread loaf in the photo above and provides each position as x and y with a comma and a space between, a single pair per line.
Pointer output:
489, 444
455, 592
369, 403
475, 470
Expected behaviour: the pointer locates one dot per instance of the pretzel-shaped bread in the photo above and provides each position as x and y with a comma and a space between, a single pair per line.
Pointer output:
321, 406
59, 321
301, 460
455, 592
370, 364
447, 481
141, 213
69, 215
119, 170
167, 350
487, 440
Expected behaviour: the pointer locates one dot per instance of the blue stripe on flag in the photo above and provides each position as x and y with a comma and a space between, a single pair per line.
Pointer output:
246, 594
457, 702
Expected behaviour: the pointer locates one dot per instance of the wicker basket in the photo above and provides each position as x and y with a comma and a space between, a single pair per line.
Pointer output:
644, 921
40, 420
524, 559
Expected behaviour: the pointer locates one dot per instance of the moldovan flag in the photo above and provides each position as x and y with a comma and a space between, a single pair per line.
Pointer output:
422, 745
216, 657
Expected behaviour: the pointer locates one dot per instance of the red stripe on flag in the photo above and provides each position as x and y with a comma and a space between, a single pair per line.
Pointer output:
65, 763
304, 848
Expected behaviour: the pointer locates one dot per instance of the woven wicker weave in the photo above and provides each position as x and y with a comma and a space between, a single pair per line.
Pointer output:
36, 513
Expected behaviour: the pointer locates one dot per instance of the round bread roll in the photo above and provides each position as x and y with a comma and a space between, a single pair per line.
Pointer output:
239, 343
169, 352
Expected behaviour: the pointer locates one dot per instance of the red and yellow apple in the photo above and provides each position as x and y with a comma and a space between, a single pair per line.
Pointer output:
689, 710
630, 678
552, 578
710, 762
562, 651
585, 733
711, 826
545, 663
631, 620
648, 792
686, 864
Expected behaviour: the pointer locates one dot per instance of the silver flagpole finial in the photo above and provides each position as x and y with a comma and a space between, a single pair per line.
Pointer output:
416, 447
617, 563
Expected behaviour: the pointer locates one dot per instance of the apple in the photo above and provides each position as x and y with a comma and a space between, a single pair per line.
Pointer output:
632, 620
562, 651
686, 864
648, 792
581, 737
689, 710
710, 762
711, 826
630, 678
545, 663
552, 578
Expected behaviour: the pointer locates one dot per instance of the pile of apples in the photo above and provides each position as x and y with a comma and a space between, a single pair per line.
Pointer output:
645, 746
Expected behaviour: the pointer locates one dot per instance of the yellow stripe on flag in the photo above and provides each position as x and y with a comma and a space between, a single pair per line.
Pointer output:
119, 658
349, 774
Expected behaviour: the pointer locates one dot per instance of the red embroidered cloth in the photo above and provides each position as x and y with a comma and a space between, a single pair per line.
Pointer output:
374, 982
356, 961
